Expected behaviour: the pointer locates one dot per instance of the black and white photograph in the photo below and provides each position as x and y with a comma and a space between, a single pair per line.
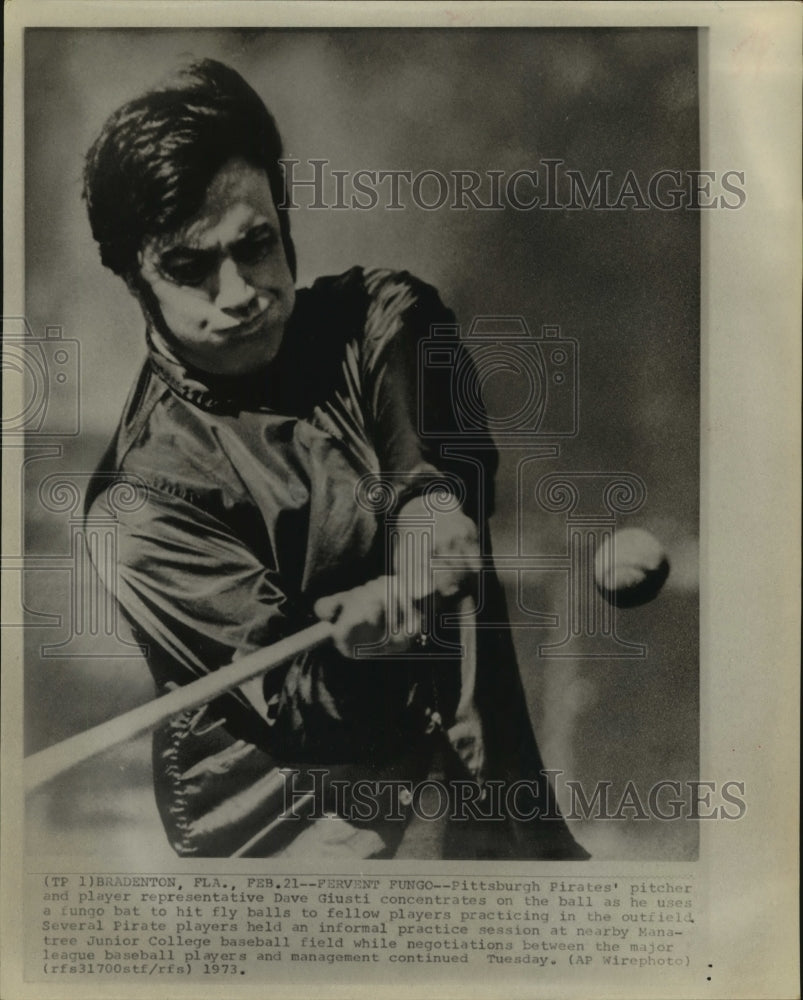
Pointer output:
359, 443
391, 337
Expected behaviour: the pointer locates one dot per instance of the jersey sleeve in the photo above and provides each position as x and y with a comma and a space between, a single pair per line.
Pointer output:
197, 597
415, 367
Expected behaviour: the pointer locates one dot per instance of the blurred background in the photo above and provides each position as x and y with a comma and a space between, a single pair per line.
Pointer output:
623, 284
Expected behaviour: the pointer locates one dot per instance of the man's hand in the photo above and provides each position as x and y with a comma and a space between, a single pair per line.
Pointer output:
394, 610
368, 615
453, 535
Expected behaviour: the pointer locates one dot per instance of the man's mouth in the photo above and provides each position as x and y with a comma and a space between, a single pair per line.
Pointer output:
250, 326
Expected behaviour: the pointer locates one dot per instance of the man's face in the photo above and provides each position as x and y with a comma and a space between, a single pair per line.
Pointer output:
222, 282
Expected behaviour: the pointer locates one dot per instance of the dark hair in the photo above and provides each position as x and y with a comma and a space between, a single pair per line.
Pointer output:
148, 171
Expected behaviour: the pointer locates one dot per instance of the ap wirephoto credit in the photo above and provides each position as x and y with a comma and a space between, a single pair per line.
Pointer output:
359, 449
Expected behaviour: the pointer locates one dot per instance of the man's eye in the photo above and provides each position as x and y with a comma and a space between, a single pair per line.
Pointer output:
192, 271
254, 248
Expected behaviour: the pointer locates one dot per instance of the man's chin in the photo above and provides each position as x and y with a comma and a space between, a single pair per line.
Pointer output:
248, 354
245, 362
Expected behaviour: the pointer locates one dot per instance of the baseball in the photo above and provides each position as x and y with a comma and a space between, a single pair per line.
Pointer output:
631, 567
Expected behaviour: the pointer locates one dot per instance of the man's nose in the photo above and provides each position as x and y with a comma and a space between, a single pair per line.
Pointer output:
233, 290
